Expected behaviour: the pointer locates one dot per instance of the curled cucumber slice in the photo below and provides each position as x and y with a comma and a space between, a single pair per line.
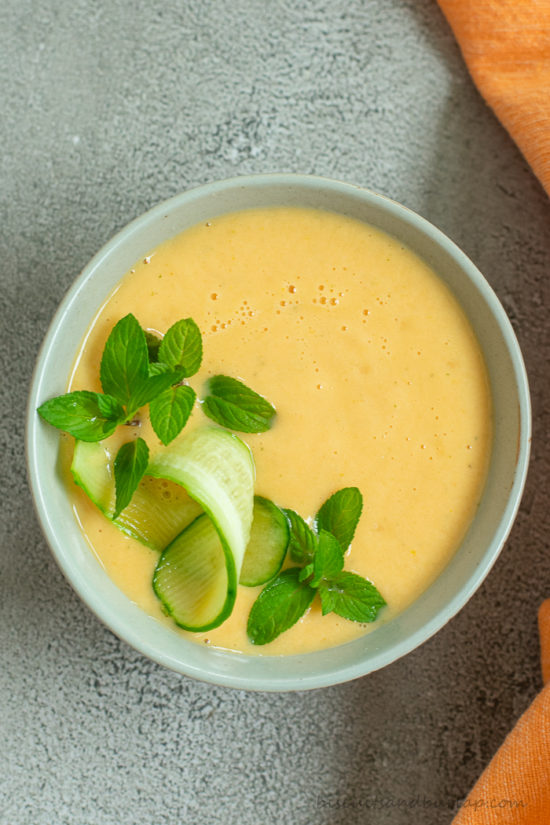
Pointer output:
192, 578
268, 543
197, 574
196, 577
159, 510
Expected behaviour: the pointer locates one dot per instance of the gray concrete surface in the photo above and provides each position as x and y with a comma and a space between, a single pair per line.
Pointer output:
108, 108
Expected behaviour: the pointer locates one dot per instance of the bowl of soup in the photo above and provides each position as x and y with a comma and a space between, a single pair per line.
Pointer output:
393, 369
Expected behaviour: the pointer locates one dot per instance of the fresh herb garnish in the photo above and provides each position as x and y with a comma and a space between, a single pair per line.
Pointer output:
156, 368
170, 411
124, 363
89, 416
328, 559
280, 604
181, 347
124, 370
303, 540
350, 596
153, 344
130, 465
233, 405
340, 514
285, 599
139, 368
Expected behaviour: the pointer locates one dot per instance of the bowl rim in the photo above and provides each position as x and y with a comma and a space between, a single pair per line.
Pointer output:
486, 561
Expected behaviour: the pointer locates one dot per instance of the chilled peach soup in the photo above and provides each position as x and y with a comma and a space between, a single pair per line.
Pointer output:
376, 376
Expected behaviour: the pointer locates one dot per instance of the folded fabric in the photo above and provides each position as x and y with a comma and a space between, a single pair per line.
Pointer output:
515, 788
506, 46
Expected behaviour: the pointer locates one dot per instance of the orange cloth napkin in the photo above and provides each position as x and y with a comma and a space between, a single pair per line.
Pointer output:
515, 787
506, 46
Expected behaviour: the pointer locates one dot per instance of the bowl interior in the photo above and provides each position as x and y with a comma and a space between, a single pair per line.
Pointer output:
495, 514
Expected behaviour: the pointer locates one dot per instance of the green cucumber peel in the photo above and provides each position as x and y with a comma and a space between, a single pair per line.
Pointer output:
268, 544
217, 470
157, 512
192, 579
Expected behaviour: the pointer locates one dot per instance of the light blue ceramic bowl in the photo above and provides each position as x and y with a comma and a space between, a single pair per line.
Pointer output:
487, 534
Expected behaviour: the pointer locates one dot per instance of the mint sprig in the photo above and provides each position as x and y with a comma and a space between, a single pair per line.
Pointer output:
340, 514
132, 376
124, 369
280, 605
320, 551
130, 465
89, 416
170, 411
181, 347
350, 596
303, 540
328, 559
139, 368
124, 364
153, 345
232, 404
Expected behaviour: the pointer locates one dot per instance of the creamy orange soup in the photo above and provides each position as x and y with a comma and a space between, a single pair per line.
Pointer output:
376, 375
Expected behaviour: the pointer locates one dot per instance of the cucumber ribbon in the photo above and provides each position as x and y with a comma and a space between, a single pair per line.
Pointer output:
202, 533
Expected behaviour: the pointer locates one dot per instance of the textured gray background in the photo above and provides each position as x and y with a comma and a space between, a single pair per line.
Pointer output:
108, 108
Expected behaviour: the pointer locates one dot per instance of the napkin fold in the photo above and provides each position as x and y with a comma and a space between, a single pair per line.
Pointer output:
515, 787
506, 46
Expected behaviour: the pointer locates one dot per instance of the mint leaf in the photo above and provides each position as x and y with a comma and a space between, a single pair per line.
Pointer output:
130, 465
303, 540
153, 343
233, 405
124, 363
280, 604
181, 347
329, 558
306, 572
158, 368
170, 410
350, 596
340, 514
124, 370
152, 387
89, 416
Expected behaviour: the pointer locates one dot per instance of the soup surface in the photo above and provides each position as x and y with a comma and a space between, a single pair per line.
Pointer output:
376, 375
